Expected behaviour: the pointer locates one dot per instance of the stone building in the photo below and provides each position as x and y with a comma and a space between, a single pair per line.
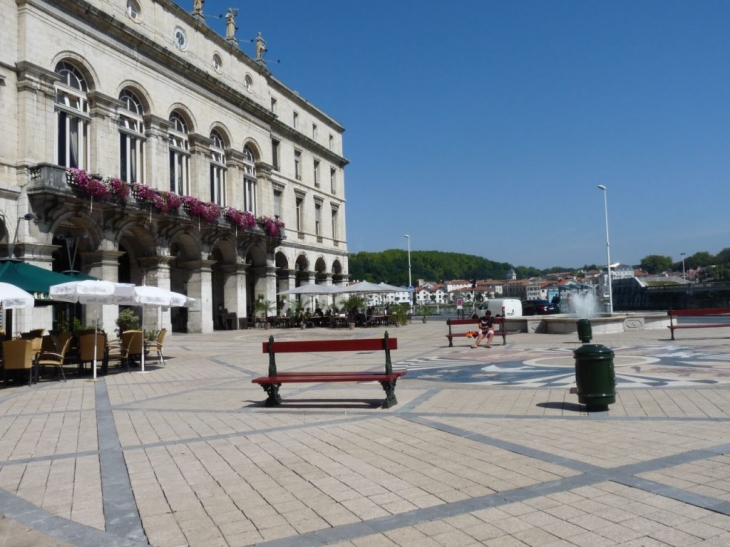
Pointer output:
190, 158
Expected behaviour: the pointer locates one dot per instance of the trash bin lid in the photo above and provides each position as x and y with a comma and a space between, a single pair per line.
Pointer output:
596, 351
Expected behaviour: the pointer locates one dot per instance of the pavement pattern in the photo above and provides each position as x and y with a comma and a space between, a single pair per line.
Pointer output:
486, 447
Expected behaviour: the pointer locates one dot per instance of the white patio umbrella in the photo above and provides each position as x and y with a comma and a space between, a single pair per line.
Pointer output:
312, 289
156, 297
91, 292
14, 297
368, 288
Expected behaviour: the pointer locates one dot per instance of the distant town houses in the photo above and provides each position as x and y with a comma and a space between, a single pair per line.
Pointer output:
447, 292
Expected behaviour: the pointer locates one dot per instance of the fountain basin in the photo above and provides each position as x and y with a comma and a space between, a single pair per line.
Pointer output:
601, 324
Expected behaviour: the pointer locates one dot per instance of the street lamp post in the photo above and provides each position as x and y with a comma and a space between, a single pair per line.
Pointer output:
410, 293
683, 276
608, 249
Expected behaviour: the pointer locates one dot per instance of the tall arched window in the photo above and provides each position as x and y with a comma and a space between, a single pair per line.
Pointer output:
249, 180
179, 155
217, 169
72, 118
131, 138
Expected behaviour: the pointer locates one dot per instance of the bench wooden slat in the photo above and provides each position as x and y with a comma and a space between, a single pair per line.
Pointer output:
718, 326
326, 378
690, 313
305, 346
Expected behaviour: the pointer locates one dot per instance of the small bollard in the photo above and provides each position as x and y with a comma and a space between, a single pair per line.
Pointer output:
585, 330
595, 377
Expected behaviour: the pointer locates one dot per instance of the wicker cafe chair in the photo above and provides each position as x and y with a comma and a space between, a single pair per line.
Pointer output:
54, 359
18, 355
123, 350
156, 345
86, 349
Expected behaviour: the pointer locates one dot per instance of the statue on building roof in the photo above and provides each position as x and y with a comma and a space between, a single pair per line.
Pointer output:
198, 7
231, 25
260, 47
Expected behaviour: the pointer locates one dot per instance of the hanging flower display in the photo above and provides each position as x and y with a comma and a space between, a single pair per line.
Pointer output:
116, 187
209, 212
87, 183
243, 219
173, 200
272, 226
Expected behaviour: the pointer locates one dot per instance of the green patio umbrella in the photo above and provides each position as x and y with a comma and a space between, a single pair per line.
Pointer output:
32, 279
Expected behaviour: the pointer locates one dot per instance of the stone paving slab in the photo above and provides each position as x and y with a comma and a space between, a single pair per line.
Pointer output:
187, 454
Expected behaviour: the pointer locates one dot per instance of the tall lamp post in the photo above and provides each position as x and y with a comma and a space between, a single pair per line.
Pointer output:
410, 293
608, 249
683, 276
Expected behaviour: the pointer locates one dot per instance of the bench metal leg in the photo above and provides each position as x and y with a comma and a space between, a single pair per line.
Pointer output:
390, 399
274, 398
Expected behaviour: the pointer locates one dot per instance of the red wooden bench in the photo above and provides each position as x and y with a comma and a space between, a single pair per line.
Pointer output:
696, 313
457, 322
274, 379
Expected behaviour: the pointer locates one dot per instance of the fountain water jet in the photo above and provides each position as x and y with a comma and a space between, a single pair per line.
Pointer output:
582, 305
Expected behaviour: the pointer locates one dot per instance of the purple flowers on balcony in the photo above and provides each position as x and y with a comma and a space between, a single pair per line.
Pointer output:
209, 212
164, 202
272, 226
243, 219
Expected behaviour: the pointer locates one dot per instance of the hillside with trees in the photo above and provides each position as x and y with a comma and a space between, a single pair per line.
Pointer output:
392, 267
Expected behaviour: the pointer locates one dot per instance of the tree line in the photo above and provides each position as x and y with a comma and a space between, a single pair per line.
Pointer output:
391, 266
715, 266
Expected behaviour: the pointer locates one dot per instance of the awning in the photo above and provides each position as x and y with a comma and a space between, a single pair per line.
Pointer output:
32, 279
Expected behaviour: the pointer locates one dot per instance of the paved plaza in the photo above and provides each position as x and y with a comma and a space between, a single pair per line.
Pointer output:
485, 447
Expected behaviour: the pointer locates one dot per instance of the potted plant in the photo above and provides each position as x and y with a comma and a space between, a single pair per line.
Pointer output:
127, 320
261, 308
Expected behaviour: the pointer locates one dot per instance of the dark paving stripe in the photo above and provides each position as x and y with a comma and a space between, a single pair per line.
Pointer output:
120, 509
690, 498
439, 512
68, 531
55, 457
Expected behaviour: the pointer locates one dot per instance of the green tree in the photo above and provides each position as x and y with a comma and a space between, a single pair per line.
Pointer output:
702, 258
723, 257
655, 264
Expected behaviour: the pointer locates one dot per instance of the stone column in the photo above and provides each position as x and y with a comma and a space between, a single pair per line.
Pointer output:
41, 317
157, 151
103, 134
199, 166
234, 291
103, 264
36, 113
200, 316
158, 275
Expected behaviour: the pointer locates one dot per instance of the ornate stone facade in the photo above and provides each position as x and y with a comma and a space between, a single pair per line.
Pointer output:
142, 91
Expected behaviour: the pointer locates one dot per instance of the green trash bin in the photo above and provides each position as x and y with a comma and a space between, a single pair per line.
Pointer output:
594, 376
585, 330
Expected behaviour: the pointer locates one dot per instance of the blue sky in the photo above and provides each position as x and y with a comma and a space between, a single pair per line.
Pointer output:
484, 127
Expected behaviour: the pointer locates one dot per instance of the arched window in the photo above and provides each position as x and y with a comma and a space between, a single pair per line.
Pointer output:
179, 155
217, 169
131, 138
249, 180
72, 118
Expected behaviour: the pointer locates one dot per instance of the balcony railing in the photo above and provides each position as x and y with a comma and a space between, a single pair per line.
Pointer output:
108, 192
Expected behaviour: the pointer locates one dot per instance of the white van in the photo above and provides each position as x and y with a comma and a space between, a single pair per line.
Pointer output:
512, 307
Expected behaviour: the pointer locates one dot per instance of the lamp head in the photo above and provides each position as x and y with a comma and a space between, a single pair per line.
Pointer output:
602, 187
